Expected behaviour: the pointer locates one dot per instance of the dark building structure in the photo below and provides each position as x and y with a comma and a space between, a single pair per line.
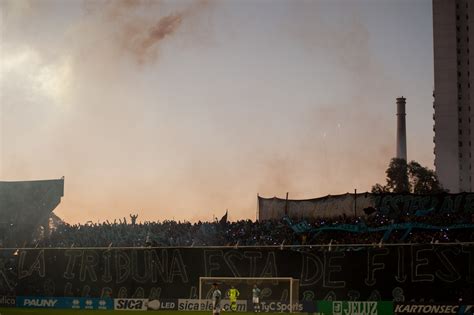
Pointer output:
25, 209
453, 39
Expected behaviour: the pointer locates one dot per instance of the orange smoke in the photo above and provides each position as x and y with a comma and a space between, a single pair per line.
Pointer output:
139, 26
144, 47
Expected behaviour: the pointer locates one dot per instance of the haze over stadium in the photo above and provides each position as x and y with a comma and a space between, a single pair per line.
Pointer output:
181, 109
142, 141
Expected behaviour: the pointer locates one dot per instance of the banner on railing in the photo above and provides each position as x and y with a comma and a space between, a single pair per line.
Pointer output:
341, 273
305, 227
391, 204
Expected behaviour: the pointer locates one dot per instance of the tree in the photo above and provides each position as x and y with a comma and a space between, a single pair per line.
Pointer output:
409, 178
379, 189
423, 180
397, 176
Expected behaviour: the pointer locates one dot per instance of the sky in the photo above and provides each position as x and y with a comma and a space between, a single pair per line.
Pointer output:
183, 109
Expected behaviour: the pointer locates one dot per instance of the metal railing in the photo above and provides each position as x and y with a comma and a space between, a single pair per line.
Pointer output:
316, 246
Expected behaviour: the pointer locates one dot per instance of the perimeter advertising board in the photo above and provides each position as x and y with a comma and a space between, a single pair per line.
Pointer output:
279, 307
431, 308
206, 305
355, 308
64, 303
7, 301
130, 304
168, 304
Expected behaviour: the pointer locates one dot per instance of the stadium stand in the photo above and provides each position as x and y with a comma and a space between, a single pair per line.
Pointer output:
342, 230
26, 208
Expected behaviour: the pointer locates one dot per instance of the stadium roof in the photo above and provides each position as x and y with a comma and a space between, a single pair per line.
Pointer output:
26, 204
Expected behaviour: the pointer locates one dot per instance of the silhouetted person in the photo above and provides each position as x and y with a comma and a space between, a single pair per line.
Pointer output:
134, 218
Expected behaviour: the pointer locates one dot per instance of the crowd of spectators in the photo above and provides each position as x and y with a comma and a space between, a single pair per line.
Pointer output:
167, 233
131, 233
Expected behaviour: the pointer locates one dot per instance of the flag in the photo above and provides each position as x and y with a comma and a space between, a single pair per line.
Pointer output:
223, 220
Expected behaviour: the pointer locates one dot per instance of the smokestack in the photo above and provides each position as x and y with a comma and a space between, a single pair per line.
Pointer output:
401, 129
